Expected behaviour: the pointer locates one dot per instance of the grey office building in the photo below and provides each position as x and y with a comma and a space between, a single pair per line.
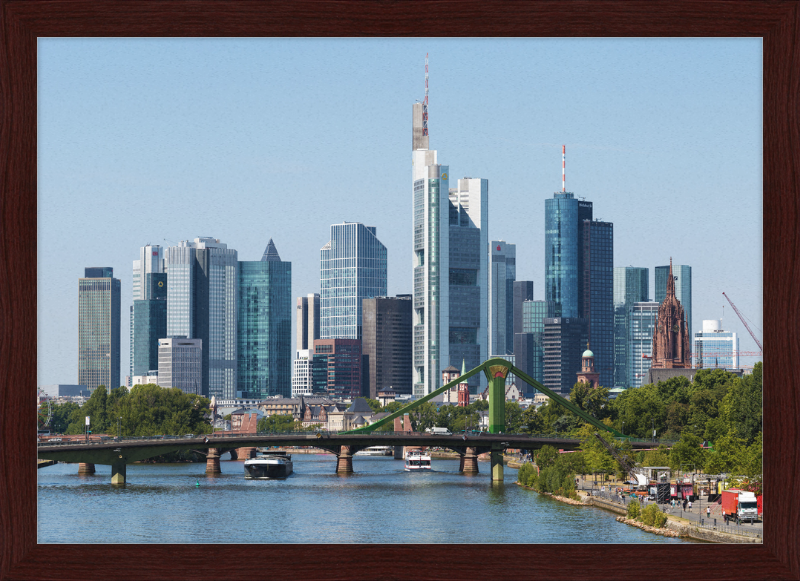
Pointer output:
307, 321
564, 343
202, 301
99, 328
631, 285
598, 295
180, 364
503, 273
386, 348
683, 288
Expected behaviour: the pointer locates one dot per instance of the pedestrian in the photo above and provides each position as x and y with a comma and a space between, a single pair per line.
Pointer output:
708, 512
690, 506
684, 504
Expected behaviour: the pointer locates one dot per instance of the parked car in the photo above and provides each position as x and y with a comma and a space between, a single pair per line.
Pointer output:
189, 436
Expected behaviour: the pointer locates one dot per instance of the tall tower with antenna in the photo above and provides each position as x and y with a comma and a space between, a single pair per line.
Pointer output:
425, 102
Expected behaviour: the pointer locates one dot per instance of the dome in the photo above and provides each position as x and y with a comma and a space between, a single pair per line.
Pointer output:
587, 353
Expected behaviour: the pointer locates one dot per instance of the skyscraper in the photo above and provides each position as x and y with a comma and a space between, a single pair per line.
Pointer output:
523, 291
715, 348
387, 345
641, 324
682, 277
99, 328
631, 285
564, 343
202, 279
264, 333
450, 265
352, 268
529, 344
307, 321
180, 364
151, 261
598, 295
336, 368
503, 272
149, 323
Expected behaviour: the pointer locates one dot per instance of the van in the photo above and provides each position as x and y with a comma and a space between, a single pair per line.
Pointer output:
440, 432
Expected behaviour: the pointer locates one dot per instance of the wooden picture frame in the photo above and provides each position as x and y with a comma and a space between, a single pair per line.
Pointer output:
778, 22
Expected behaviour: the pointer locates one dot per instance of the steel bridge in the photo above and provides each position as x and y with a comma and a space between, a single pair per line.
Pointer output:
119, 453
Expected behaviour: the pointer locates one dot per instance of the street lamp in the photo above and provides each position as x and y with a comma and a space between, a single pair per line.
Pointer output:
119, 428
653, 423
623, 427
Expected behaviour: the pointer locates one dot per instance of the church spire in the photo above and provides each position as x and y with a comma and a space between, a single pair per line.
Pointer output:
670, 281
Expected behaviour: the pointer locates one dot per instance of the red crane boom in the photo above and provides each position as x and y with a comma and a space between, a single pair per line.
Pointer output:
741, 318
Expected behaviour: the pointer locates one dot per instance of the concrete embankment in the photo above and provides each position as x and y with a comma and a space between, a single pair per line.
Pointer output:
44, 463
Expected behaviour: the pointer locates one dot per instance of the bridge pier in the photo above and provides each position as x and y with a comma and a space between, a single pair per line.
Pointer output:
344, 460
399, 452
246, 453
118, 472
469, 461
497, 465
85, 468
212, 461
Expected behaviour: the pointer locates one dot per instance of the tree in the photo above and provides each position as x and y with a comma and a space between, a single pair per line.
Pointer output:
597, 457
513, 417
393, 406
546, 456
532, 422
277, 424
592, 400
729, 455
61, 416
423, 417
687, 451
374, 404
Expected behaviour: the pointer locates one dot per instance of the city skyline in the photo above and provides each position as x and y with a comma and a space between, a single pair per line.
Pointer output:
137, 137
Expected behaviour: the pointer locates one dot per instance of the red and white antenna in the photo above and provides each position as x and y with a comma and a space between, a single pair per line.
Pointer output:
425, 102
563, 168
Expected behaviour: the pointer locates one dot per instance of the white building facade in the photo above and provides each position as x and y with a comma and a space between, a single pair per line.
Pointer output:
715, 348
180, 364
301, 379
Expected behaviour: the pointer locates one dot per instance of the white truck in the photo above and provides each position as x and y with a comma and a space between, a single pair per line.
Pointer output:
439, 431
739, 505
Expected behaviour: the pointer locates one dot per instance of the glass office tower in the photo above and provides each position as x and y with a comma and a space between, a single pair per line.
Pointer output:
641, 324
631, 285
683, 288
99, 328
352, 268
503, 272
149, 323
715, 348
450, 267
598, 295
530, 343
264, 333
151, 261
563, 240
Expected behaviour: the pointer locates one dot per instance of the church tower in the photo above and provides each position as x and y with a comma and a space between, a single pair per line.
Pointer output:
587, 373
671, 341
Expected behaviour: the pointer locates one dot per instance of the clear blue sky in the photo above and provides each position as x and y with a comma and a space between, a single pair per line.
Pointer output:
160, 140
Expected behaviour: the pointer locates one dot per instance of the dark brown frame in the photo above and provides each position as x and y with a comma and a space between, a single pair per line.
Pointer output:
778, 22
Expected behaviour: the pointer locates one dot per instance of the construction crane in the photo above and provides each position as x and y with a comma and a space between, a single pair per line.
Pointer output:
623, 460
741, 318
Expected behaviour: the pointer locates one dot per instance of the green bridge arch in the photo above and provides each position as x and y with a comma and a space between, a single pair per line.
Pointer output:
496, 371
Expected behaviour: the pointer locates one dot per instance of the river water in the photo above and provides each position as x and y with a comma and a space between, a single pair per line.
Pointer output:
379, 503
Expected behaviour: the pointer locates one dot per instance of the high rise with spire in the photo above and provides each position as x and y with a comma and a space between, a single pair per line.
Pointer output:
264, 326
450, 263
671, 339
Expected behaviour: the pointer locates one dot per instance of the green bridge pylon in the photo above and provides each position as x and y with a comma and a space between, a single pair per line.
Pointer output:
496, 371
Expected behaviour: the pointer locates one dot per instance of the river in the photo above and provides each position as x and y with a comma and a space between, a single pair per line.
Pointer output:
379, 503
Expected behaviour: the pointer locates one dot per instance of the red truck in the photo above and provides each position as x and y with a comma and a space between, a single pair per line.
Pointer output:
739, 505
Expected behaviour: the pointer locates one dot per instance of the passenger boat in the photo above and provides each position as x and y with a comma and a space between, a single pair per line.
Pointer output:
268, 466
376, 451
417, 460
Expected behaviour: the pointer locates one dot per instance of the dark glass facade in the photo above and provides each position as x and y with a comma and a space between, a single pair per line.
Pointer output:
531, 340
631, 285
464, 307
264, 328
386, 324
563, 240
598, 295
336, 368
523, 291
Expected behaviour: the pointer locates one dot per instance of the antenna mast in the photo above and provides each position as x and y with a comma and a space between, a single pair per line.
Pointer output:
563, 167
425, 102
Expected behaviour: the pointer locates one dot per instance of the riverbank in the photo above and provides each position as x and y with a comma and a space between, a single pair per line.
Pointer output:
674, 527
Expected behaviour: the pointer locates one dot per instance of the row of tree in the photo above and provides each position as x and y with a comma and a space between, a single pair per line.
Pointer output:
143, 410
